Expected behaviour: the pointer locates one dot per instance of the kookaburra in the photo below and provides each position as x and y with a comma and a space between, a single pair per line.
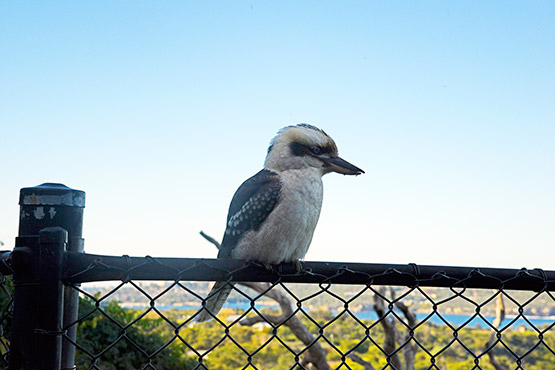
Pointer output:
273, 214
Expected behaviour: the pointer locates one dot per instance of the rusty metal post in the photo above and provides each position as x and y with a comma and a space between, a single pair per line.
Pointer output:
46, 205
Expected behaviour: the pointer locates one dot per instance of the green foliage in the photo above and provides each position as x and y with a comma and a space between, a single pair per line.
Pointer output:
348, 336
6, 295
128, 347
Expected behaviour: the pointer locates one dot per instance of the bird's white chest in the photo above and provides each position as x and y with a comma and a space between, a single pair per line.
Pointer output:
287, 232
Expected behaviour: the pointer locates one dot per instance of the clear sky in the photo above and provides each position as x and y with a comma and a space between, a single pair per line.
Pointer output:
159, 110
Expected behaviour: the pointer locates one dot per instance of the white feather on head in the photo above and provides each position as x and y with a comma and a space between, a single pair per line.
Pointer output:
280, 156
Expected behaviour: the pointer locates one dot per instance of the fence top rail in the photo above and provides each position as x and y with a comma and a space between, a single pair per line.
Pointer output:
83, 267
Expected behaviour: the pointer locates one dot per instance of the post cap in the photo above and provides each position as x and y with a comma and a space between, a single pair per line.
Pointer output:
52, 194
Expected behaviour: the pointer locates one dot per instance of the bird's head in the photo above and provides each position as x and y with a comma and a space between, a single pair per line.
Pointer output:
306, 146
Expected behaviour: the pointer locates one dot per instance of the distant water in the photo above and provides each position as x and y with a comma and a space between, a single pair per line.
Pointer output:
453, 320
457, 320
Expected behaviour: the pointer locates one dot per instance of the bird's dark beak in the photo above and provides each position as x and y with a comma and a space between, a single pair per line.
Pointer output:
339, 165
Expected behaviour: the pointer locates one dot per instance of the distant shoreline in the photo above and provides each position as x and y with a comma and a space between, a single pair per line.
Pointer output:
455, 320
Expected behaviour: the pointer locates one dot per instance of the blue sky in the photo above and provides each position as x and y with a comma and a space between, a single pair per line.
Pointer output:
159, 110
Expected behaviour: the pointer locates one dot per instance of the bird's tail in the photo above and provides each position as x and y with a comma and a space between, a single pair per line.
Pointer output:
215, 301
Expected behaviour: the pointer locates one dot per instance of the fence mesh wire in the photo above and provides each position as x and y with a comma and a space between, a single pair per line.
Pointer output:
283, 325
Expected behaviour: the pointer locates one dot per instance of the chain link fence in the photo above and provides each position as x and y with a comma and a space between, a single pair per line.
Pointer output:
326, 316
71, 310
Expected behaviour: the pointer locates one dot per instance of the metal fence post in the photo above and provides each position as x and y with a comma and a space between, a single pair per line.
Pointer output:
46, 205
48, 334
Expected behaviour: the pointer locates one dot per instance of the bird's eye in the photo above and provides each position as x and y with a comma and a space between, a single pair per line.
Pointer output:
316, 150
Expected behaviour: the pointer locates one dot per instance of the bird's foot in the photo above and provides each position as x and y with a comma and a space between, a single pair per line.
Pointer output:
298, 265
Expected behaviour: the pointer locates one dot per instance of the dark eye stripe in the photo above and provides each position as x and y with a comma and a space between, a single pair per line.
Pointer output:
298, 149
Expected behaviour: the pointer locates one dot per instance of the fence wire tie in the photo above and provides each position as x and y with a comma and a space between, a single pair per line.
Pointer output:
416, 270
542, 273
308, 271
96, 263
524, 272
127, 262
542, 279
472, 273
248, 263
443, 275
148, 261
125, 271
152, 260
476, 272
340, 271
343, 269
179, 273
391, 271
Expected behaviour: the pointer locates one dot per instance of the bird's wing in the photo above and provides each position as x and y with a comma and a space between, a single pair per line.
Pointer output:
252, 203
